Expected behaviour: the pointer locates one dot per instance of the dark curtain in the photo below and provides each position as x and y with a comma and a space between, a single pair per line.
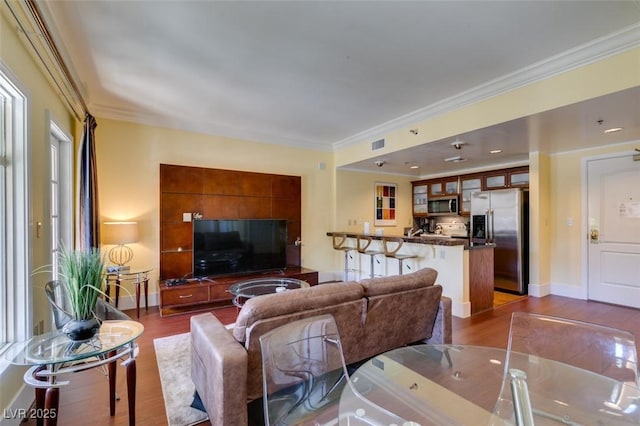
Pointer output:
88, 213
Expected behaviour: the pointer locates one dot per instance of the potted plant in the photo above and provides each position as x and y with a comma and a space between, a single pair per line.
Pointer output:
81, 278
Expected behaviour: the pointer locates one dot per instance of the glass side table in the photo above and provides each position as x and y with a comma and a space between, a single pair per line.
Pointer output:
137, 277
53, 354
251, 288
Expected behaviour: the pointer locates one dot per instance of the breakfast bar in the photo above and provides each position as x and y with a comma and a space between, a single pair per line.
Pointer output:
465, 271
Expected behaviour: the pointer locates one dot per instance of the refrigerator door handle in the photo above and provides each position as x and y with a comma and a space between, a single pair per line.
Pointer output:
491, 229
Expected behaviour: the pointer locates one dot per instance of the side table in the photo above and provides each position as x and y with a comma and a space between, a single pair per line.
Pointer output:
255, 287
137, 277
53, 354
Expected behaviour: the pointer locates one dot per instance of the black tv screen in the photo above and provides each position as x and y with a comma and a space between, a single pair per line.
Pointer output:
226, 247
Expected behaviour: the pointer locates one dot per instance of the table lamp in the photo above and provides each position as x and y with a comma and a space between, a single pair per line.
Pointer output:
119, 234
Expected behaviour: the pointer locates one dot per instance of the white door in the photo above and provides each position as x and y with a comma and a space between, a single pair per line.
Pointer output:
614, 230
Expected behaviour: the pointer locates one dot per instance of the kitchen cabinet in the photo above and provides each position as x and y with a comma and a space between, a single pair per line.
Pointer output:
517, 177
465, 185
468, 185
443, 186
419, 199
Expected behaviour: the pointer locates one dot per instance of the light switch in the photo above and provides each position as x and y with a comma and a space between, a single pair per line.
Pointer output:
186, 217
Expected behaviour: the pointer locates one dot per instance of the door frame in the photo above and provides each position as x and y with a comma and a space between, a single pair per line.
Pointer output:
584, 239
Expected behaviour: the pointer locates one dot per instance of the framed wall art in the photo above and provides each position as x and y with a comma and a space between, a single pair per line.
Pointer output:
385, 196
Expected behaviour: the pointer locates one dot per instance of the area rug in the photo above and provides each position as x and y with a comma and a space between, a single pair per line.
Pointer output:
174, 364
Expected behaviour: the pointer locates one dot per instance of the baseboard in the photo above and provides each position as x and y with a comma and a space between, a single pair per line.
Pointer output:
460, 309
129, 301
539, 290
19, 407
567, 290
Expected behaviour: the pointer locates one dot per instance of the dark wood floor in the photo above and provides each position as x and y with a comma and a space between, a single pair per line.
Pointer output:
85, 400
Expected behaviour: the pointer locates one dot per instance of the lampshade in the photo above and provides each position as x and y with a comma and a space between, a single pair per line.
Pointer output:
119, 232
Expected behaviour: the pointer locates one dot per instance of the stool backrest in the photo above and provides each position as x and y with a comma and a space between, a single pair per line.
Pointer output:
387, 244
363, 243
339, 240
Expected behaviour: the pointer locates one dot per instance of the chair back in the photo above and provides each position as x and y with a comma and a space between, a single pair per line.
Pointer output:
61, 306
391, 245
59, 301
603, 350
339, 241
363, 243
529, 382
303, 371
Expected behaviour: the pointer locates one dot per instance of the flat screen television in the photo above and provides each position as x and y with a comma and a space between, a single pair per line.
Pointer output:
238, 246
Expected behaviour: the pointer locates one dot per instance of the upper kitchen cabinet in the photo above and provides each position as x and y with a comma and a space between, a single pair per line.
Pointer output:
468, 185
443, 186
517, 177
419, 199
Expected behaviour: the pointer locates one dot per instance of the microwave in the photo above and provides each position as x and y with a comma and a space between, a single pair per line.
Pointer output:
441, 206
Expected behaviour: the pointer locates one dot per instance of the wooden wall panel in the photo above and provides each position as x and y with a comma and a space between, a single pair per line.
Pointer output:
177, 236
286, 187
181, 179
221, 182
286, 208
233, 207
172, 206
255, 185
221, 194
175, 264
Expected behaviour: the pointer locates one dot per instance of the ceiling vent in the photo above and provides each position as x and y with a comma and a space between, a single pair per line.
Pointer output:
377, 145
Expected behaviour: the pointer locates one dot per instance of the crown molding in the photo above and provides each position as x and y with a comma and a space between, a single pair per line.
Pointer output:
33, 32
204, 128
596, 50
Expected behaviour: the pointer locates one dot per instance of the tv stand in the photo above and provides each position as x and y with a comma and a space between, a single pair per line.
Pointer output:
206, 293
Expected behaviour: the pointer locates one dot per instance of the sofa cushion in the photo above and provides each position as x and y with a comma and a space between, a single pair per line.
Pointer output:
386, 285
288, 302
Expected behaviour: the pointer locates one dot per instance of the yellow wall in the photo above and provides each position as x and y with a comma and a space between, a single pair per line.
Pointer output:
129, 155
43, 103
566, 201
355, 201
610, 75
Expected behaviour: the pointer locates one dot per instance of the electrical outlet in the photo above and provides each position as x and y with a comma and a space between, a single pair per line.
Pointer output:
186, 217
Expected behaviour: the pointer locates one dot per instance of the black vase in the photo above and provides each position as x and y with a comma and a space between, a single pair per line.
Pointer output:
79, 330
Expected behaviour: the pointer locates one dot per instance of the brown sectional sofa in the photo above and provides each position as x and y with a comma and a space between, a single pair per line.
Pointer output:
373, 316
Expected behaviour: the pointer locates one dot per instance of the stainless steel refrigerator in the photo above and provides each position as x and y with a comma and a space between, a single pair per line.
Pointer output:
501, 218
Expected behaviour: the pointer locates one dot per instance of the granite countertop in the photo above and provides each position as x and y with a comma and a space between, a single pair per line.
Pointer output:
426, 239
431, 239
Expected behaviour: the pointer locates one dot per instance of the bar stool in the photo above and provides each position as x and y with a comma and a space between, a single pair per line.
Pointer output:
363, 245
392, 253
340, 243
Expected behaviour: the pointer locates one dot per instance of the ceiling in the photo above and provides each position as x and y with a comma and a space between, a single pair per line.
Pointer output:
323, 74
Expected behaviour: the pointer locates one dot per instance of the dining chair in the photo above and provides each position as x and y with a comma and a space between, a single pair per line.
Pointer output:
303, 370
61, 307
603, 350
606, 351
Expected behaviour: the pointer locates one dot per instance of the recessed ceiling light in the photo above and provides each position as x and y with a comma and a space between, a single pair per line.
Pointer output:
415, 166
455, 159
495, 151
613, 130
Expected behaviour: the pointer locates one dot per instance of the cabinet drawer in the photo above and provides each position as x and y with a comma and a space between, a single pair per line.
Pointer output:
185, 296
219, 292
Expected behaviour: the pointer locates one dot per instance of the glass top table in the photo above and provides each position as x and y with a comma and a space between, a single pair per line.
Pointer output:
467, 385
53, 354
256, 287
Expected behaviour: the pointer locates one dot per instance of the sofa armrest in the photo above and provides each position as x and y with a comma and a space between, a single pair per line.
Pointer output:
442, 333
219, 371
